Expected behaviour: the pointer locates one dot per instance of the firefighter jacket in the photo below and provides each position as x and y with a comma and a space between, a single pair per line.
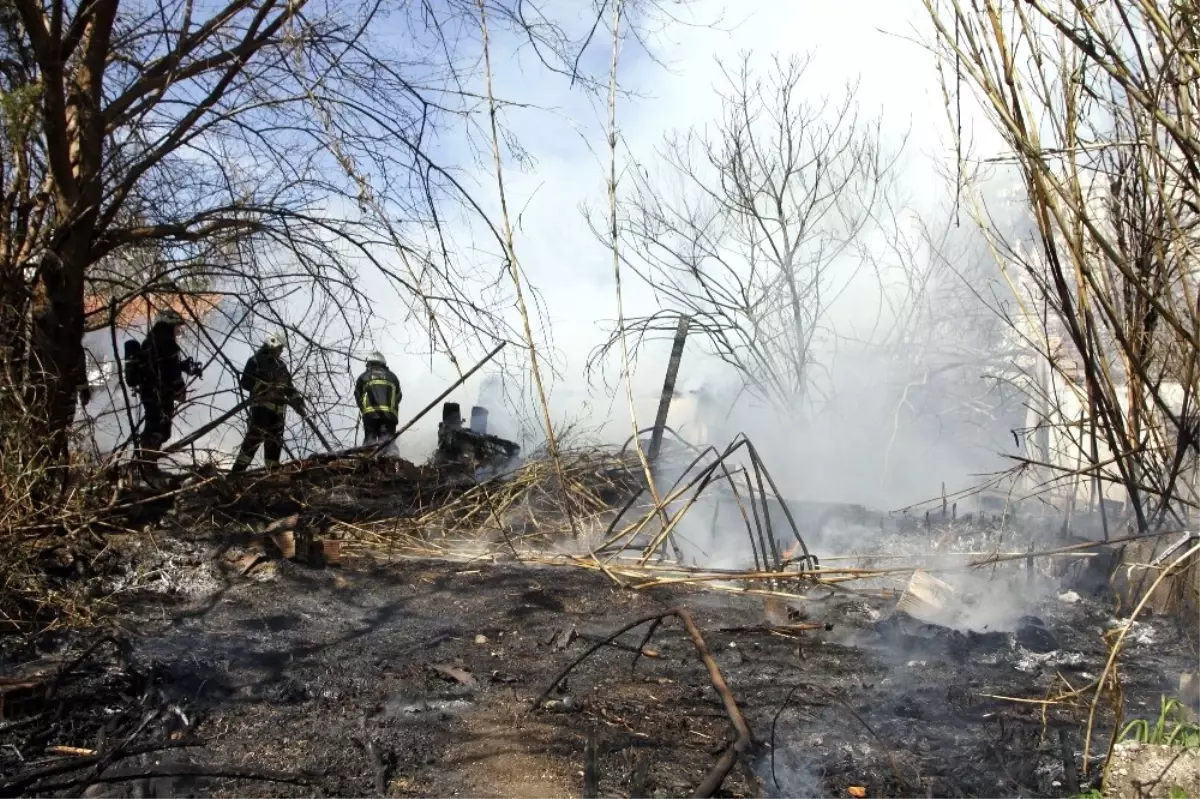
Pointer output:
377, 391
162, 361
267, 379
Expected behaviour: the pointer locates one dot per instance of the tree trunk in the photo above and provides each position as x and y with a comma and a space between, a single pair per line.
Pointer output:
56, 352
73, 127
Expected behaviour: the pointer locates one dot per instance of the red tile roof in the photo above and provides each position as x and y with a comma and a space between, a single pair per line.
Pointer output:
140, 311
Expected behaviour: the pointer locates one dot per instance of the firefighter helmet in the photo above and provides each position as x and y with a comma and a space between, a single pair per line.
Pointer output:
376, 358
168, 316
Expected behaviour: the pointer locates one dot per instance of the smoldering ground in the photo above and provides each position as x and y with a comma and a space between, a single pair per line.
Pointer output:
291, 669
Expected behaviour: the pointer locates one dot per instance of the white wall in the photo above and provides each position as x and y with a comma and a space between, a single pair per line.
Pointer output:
1066, 443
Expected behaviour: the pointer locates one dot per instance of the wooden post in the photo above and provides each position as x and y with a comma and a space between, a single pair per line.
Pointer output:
664, 401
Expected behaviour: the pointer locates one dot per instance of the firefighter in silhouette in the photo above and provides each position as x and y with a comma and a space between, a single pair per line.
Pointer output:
377, 393
269, 383
155, 370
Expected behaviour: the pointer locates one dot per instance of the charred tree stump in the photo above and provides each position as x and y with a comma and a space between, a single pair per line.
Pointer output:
639, 779
664, 401
591, 768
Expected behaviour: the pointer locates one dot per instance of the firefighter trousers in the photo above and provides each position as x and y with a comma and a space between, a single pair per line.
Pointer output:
378, 428
158, 408
265, 428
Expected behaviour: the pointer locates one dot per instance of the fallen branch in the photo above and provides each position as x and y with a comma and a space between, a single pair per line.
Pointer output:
183, 770
716, 776
801, 627
73, 751
650, 653
317, 432
21, 783
775, 721
61, 674
718, 773
562, 675
213, 425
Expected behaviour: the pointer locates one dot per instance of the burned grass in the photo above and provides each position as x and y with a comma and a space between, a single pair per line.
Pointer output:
423, 673
420, 664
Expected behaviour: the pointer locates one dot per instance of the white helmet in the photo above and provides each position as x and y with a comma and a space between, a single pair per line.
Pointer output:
168, 316
376, 357
273, 342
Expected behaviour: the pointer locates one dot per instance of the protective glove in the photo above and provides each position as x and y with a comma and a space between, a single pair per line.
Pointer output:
193, 368
298, 404
85, 395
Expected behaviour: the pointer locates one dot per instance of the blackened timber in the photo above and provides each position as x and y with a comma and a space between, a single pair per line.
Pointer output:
463, 445
188, 439
664, 402
381, 447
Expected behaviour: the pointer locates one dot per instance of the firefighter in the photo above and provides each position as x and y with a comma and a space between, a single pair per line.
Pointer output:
377, 392
267, 379
161, 386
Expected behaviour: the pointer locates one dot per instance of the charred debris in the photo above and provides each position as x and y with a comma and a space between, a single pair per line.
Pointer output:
739, 643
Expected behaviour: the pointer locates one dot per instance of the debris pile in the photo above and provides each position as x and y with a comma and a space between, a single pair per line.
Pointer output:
52, 740
472, 447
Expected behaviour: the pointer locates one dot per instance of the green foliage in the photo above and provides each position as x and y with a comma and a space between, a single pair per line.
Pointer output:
19, 111
1172, 728
1094, 793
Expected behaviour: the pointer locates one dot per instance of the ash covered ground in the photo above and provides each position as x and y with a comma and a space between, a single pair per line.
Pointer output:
416, 677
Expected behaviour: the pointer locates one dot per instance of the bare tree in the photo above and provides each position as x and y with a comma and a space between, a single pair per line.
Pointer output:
264, 150
758, 223
1097, 103
944, 333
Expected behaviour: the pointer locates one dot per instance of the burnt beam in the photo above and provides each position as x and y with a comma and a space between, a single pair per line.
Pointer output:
664, 401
